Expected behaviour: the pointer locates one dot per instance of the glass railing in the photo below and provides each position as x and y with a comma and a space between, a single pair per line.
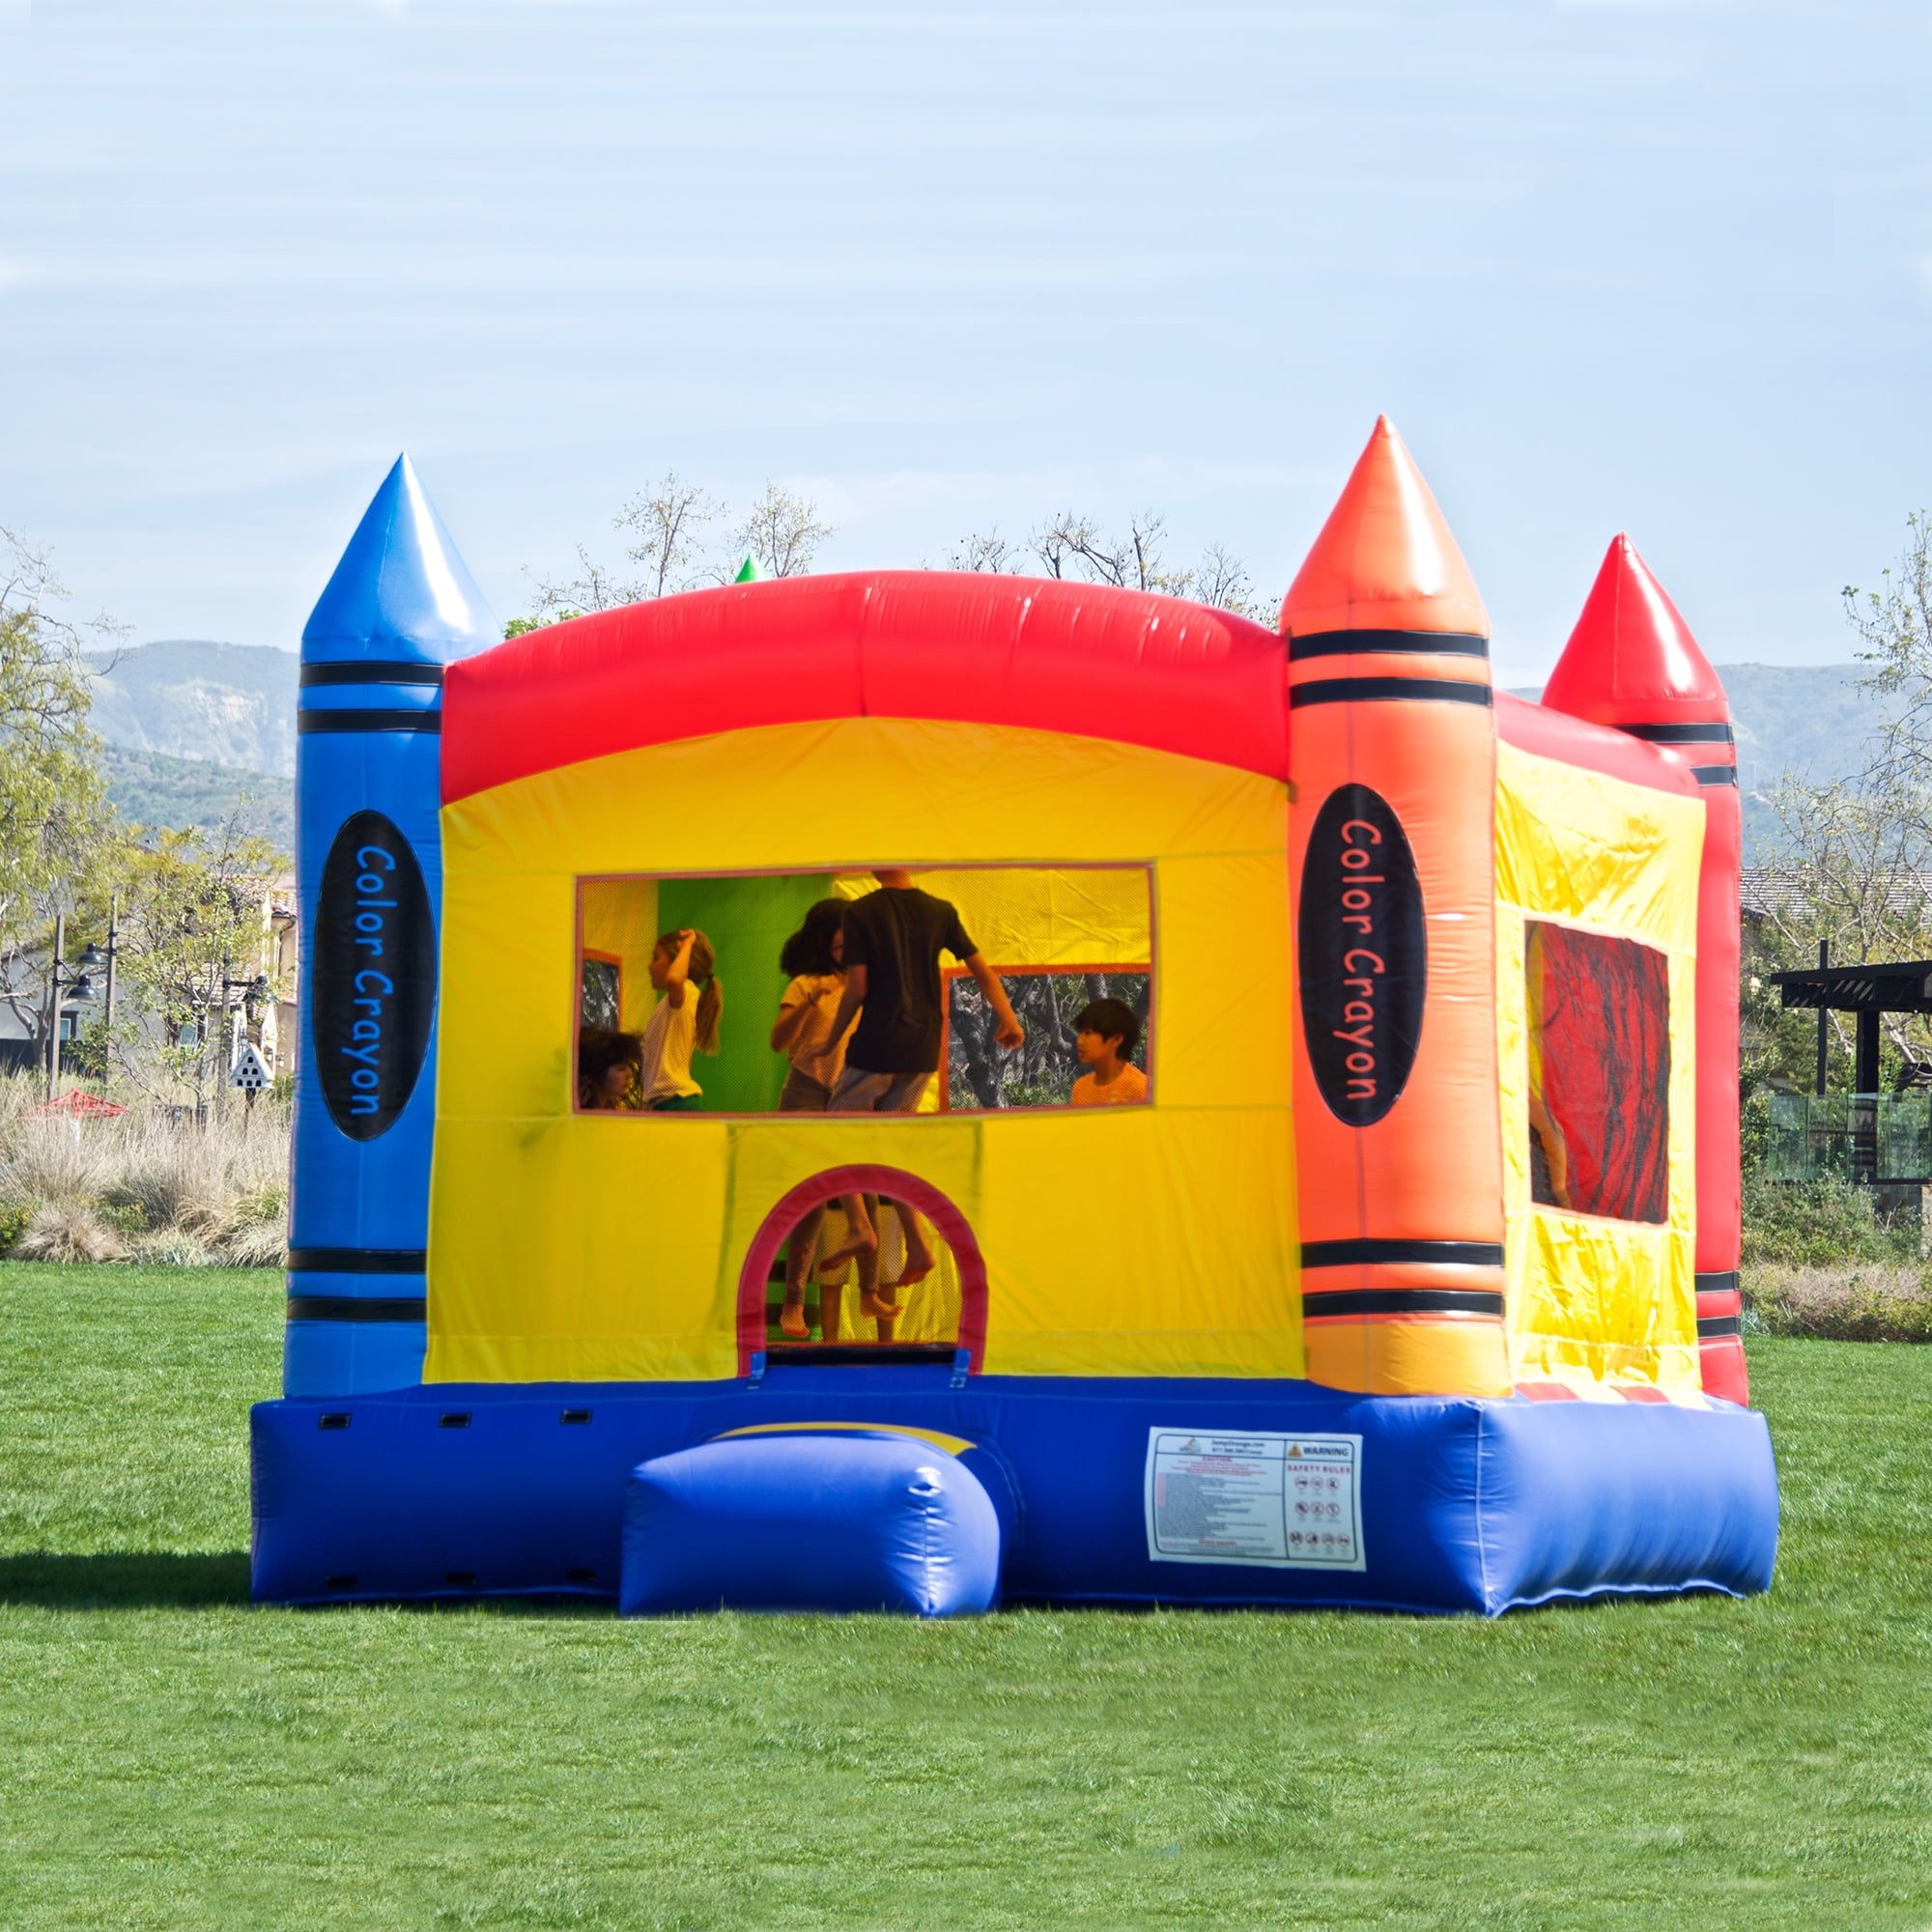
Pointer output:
1855, 1136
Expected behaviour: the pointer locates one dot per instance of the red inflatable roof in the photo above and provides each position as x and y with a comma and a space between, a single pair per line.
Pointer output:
1596, 748
1078, 658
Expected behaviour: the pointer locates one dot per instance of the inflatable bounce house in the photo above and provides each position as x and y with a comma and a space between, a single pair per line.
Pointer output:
1401, 1272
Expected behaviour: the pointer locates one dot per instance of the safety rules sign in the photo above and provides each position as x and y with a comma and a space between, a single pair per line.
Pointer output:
1289, 1502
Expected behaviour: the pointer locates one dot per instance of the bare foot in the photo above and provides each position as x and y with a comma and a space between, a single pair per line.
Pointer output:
876, 1308
919, 1262
792, 1322
861, 1241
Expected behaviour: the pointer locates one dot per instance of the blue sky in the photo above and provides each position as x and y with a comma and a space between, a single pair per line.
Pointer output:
1662, 265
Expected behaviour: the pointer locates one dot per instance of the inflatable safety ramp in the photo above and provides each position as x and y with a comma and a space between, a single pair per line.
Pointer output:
934, 1500
791, 1519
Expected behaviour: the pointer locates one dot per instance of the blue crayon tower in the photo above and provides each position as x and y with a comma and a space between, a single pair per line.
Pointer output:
369, 866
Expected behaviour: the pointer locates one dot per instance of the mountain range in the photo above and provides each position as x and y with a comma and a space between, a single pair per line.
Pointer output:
197, 730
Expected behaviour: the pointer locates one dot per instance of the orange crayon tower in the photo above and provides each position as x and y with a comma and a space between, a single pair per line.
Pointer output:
1392, 872
1632, 663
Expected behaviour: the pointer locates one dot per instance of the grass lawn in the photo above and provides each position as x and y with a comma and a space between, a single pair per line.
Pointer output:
169, 1756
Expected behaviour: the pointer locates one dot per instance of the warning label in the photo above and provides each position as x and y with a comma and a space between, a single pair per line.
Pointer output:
1291, 1502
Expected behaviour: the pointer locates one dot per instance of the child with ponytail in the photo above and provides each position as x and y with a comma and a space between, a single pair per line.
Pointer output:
684, 1020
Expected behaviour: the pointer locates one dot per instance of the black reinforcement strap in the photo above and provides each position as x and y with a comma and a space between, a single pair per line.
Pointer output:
387, 671
1353, 643
857, 1354
1402, 1301
357, 1308
1725, 1283
1423, 690
367, 721
1715, 774
358, 1261
1368, 1252
1710, 1326
1716, 732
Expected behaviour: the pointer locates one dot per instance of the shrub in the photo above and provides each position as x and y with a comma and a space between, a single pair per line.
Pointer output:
1820, 1223
128, 1220
172, 1247
172, 1176
255, 1244
138, 1177
55, 1160
60, 1231
1872, 1301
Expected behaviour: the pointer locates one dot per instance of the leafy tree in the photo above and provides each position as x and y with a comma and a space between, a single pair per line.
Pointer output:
54, 818
1859, 849
193, 915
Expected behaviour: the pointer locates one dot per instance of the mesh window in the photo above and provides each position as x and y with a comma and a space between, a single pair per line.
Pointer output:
1599, 1073
1042, 1073
601, 988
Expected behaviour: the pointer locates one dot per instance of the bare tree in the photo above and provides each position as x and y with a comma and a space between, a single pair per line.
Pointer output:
663, 525
986, 553
782, 531
1076, 549
1221, 578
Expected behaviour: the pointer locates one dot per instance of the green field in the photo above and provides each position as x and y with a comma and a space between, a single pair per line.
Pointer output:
170, 1757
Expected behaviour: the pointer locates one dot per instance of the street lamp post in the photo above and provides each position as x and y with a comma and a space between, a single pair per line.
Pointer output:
74, 978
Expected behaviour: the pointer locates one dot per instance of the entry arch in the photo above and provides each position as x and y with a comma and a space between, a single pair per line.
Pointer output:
827, 1185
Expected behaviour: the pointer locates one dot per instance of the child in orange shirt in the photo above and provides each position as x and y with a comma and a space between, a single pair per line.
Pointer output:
1107, 1033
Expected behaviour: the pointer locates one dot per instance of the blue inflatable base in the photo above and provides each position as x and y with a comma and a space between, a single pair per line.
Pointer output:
1122, 1492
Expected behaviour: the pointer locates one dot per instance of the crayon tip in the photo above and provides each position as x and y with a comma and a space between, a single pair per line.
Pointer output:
749, 571
400, 592
1385, 560
1632, 658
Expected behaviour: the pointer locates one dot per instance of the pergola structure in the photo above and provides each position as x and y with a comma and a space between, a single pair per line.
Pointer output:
1869, 992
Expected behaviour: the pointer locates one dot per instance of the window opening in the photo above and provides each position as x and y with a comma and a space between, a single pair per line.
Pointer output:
1049, 1070
655, 953
1598, 1125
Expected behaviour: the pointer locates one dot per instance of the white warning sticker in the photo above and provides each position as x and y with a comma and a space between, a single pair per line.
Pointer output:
1290, 1502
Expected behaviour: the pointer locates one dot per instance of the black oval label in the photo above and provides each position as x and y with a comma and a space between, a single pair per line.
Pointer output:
372, 976
1364, 964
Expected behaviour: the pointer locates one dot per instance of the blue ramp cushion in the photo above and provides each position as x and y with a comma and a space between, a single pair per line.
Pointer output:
805, 1522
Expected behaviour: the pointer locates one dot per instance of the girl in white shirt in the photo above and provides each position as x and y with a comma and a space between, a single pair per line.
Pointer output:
681, 1022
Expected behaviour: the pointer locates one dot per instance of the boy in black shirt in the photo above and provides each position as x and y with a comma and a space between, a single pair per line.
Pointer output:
893, 938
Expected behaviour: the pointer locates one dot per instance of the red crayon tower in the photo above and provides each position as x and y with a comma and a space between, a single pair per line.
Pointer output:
1392, 871
1632, 663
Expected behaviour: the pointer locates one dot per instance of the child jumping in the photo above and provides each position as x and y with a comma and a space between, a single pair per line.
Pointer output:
893, 938
681, 1022
1107, 1033
814, 959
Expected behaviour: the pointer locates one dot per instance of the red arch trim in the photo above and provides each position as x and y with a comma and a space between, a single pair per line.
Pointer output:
895, 1184
1076, 658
